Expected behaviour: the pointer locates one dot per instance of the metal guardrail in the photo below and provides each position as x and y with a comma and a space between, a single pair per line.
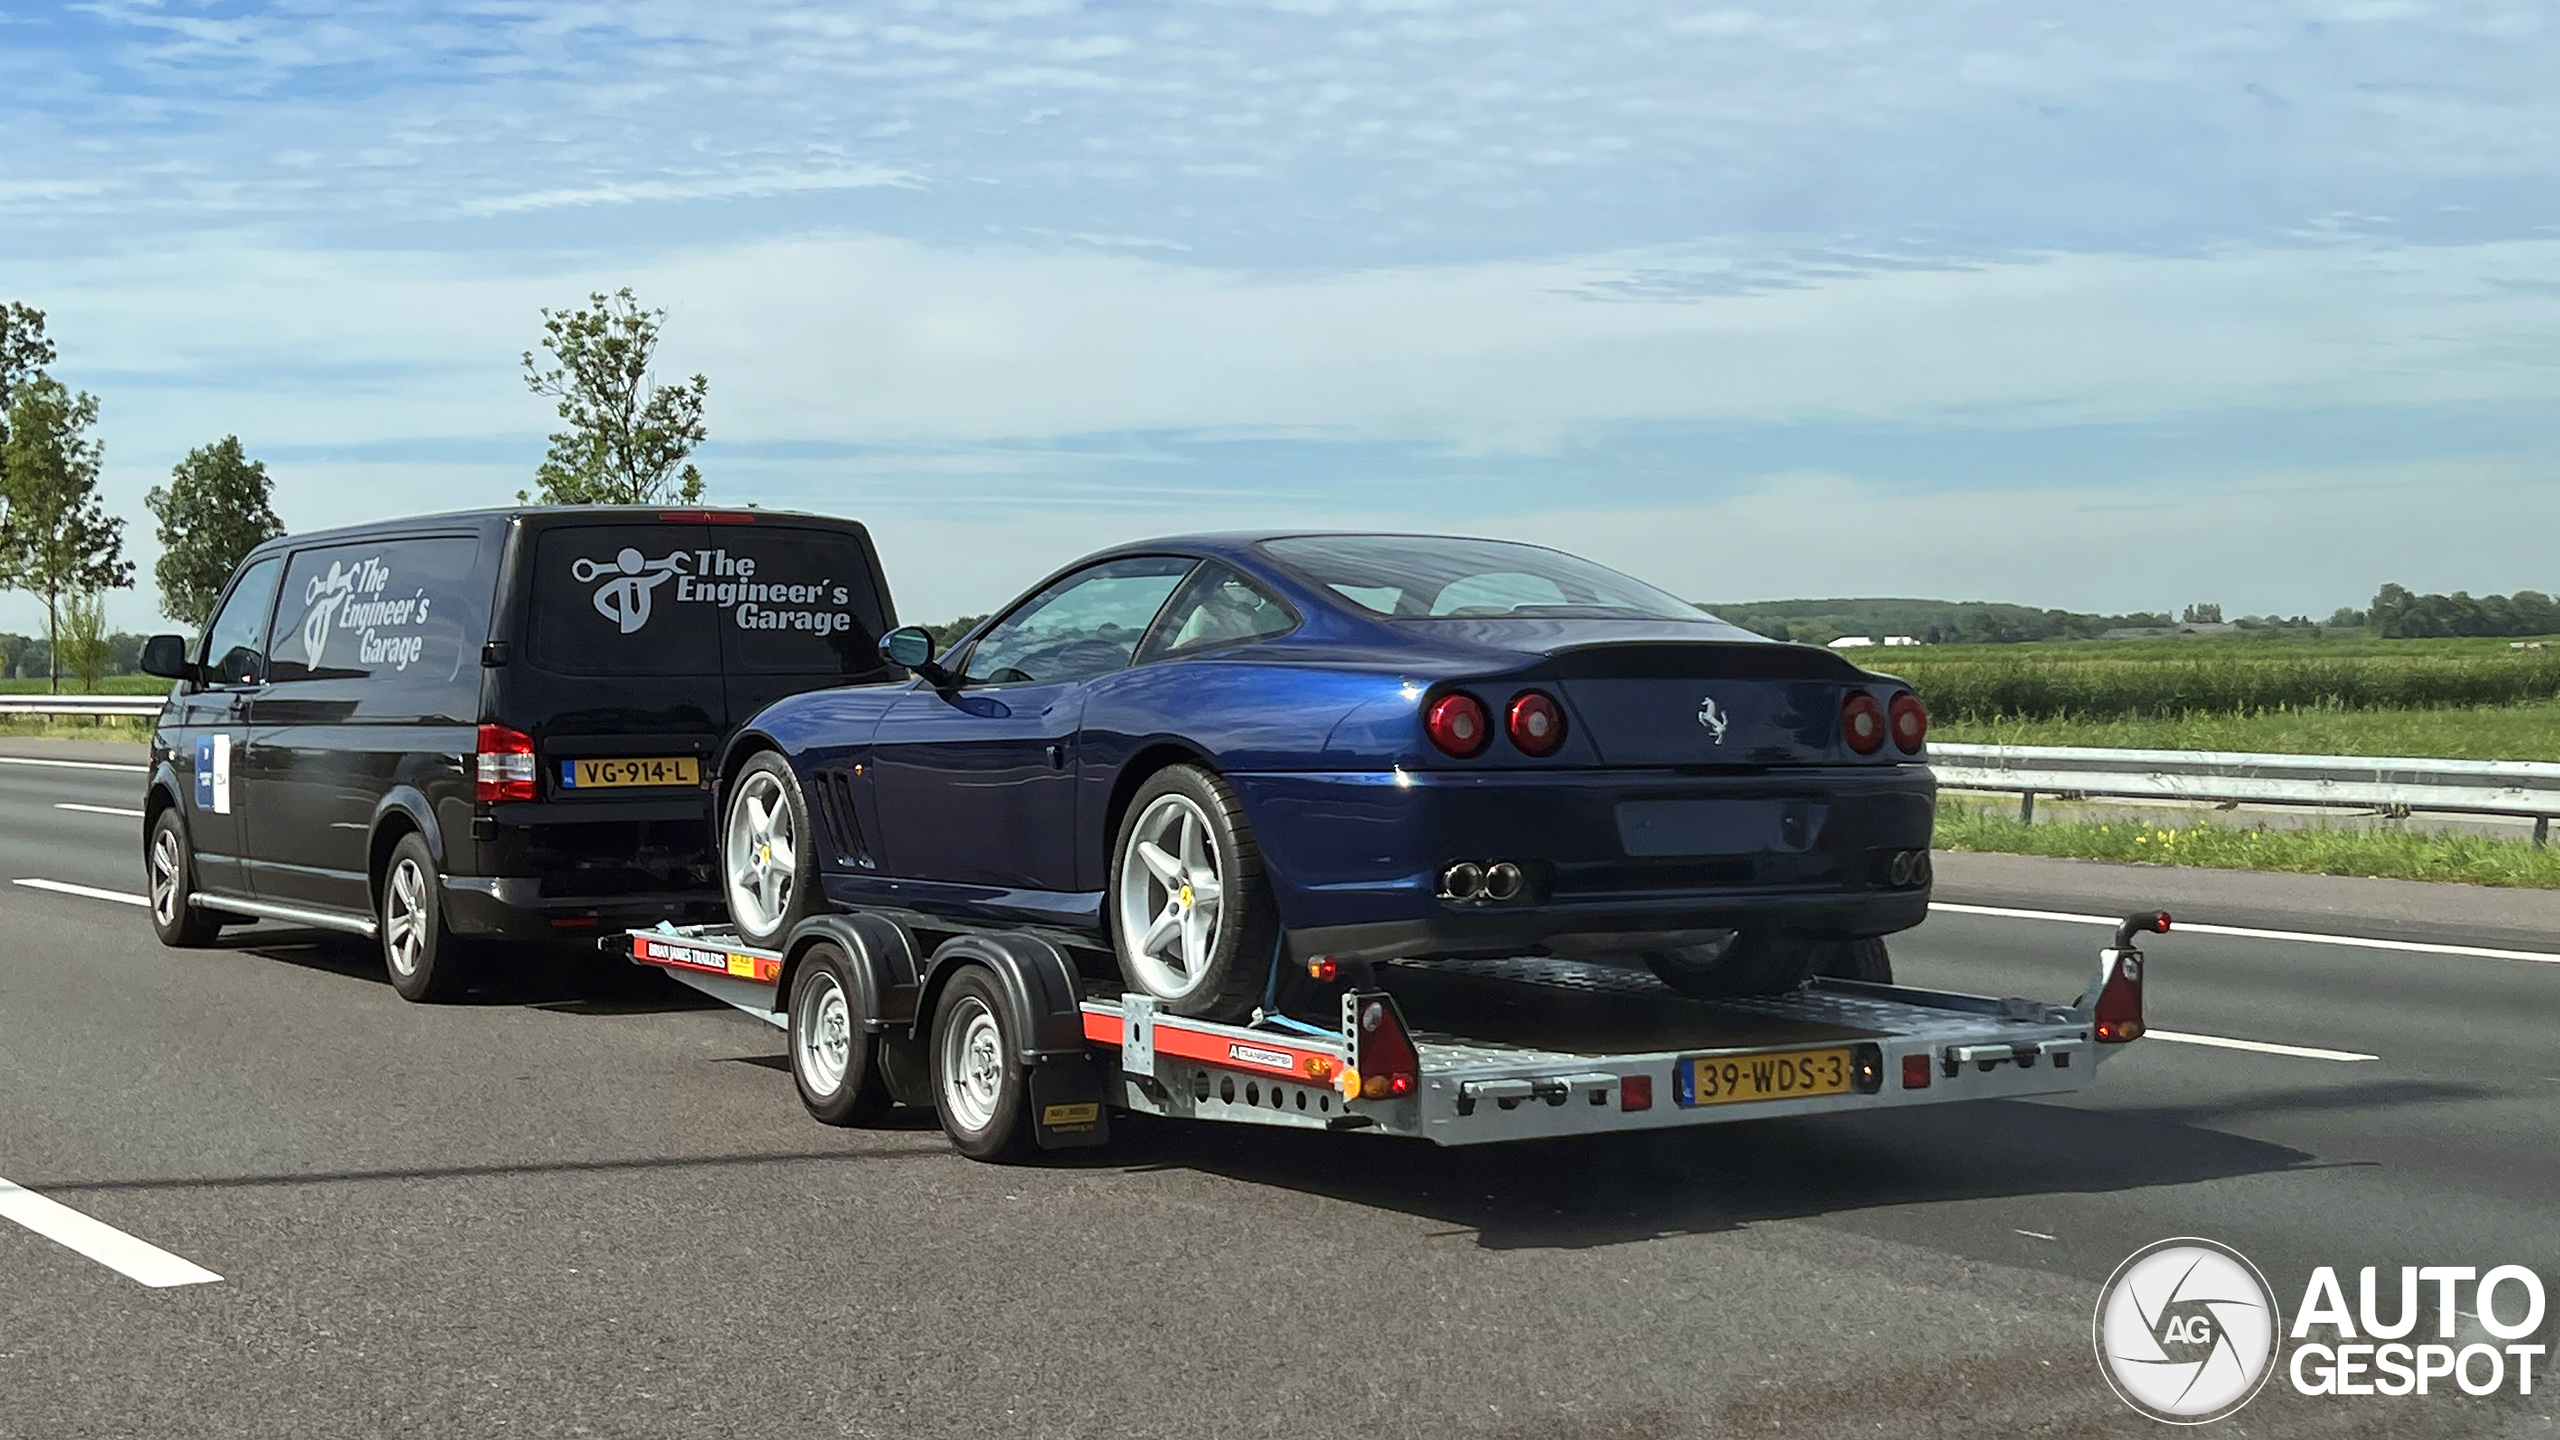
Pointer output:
2397, 785
80, 704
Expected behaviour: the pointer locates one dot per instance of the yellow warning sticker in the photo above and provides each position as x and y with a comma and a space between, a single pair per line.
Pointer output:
1059, 1116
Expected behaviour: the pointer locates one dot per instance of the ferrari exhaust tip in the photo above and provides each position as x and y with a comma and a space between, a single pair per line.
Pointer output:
1501, 880
1462, 881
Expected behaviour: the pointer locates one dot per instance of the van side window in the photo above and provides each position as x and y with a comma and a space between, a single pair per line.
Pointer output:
399, 619
235, 644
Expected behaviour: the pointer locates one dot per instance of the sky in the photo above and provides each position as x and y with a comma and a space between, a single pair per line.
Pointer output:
2102, 307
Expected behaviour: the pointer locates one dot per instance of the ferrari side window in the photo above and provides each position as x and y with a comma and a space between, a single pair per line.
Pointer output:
1215, 607
1084, 625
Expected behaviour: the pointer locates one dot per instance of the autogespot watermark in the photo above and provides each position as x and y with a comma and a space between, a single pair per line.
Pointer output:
2188, 1331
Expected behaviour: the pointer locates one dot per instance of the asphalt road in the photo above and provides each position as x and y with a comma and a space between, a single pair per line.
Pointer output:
586, 1204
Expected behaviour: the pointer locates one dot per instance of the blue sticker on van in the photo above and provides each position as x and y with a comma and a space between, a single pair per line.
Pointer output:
204, 772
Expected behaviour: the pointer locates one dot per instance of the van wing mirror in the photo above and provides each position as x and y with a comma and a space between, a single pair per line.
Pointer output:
166, 657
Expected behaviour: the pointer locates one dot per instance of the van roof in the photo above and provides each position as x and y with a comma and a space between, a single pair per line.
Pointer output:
475, 519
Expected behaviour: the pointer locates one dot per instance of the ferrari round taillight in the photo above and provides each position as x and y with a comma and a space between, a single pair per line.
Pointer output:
1862, 722
1458, 725
1909, 721
1537, 723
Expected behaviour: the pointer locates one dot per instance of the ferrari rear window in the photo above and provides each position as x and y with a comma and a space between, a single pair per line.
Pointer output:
1438, 577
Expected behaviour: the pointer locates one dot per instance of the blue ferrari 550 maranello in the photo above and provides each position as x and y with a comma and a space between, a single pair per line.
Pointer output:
1201, 753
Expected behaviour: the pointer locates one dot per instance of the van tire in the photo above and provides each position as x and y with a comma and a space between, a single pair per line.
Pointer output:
768, 851
168, 872
427, 963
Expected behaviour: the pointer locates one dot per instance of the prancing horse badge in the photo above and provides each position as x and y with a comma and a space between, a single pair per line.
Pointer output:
1712, 715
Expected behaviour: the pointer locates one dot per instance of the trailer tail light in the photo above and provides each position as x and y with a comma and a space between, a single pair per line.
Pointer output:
1381, 1052
1635, 1092
1909, 721
1862, 722
1536, 723
2119, 1008
1915, 1072
502, 765
1324, 969
1458, 725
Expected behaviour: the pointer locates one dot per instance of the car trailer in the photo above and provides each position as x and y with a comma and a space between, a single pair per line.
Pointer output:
1018, 1050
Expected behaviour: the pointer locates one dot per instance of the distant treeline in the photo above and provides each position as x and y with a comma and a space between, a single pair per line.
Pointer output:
24, 657
1933, 622
2399, 615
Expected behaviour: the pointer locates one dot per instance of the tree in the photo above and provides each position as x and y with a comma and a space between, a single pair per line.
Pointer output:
626, 436
84, 643
55, 538
23, 351
215, 509
2203, 615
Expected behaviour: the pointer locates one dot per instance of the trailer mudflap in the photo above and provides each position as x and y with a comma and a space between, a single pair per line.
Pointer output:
1069, 1106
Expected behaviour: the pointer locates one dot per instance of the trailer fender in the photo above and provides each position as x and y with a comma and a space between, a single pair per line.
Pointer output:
1043, 1001
884, 973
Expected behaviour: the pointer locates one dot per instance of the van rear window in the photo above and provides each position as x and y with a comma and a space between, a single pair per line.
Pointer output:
674, 599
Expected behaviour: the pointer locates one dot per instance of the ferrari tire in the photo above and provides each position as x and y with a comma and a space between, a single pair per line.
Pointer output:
168, 868
981, 1090
1753, 962
1865, 959
1192, 918
768, 852
831, 1052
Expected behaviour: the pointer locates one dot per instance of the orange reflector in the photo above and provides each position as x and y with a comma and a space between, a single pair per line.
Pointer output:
1374, 1088
1635, 1092
1319, 1067
1915, 1072
1323, 970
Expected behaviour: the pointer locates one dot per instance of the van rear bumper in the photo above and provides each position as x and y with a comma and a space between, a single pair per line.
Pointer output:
508, 907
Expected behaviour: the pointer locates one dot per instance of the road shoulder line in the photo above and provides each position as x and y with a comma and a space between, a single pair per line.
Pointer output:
137, 1260
2247, 932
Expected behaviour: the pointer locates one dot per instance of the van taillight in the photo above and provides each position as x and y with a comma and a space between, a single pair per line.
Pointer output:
1909, 721
1862, 722
503, 765
709, 517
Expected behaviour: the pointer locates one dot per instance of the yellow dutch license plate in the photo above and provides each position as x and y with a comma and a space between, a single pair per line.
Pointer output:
617, 774
1780, 1075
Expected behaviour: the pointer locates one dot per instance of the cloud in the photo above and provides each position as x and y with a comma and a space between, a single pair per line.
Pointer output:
699, 187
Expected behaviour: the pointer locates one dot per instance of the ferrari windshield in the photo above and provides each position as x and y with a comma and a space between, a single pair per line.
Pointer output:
1435, 577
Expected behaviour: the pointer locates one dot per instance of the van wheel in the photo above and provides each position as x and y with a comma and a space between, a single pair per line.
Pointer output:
169, 865
831, 1054
980, 1090
1753, 962
427, 963
768, 855
1190, 904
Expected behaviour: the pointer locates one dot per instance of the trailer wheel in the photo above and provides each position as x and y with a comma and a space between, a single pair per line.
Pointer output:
1865, 960
831, 1054
980, 1089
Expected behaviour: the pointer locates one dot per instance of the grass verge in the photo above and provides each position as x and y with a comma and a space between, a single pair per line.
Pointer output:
2384, 855
2504, 732
136, 728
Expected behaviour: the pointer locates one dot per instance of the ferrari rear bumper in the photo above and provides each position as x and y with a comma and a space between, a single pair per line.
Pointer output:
1610, 856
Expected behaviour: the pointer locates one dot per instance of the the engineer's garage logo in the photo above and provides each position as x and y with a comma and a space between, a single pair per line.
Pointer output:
2186, 1331
631, 582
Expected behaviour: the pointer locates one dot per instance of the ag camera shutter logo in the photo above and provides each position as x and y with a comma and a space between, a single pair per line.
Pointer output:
2186, 1330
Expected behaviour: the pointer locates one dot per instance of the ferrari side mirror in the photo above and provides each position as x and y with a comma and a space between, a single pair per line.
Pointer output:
910, 646
166, 657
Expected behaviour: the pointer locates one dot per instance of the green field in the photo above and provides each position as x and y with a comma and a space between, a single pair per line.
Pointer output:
2502, 732
2152, 681
2319, 850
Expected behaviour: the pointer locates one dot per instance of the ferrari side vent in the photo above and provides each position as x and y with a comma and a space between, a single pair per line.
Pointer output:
843, 822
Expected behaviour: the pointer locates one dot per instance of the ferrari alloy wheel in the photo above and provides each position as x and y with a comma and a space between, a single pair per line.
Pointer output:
1191, 909
1170, 897
768, 860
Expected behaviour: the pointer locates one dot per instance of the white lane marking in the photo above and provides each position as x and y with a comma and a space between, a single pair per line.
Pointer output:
91, 892
2035, 1234
2262, 1047
75, 764
2246, 932
98, 809
104, 1243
